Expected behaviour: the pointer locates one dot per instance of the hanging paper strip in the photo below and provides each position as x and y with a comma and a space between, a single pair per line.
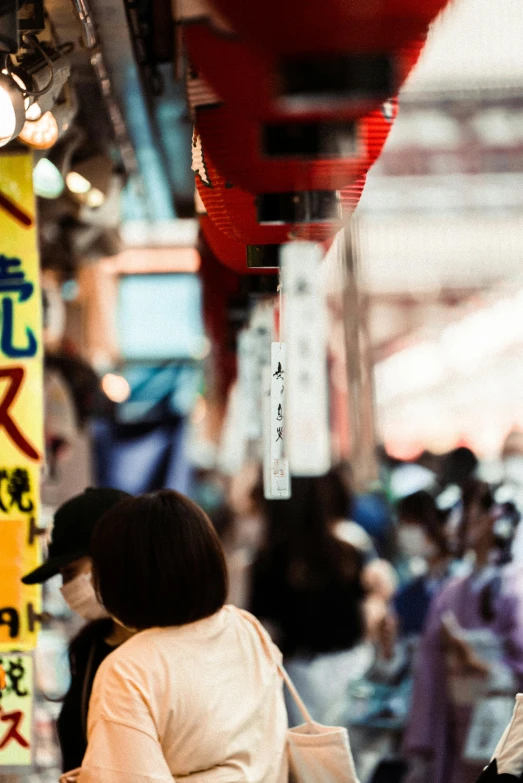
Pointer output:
266, 430
21, 402
305, 326
262, 327
280, 487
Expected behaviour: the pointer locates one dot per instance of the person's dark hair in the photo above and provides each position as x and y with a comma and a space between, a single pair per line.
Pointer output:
157, 561
302, 526
420, 507
459, 466
477, 492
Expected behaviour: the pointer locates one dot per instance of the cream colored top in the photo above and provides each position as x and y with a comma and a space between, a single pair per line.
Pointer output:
202, 701
509, 752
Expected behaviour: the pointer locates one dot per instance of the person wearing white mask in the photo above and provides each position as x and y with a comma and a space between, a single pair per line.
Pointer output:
422, 542
73, 526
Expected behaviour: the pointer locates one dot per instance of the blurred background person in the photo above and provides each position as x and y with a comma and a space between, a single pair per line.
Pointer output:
69, 556
320, 589
472, 644
424, 547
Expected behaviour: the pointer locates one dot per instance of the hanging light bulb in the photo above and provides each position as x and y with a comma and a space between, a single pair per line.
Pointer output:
47, 180
12, 111
34, 112
77, 183
41, 134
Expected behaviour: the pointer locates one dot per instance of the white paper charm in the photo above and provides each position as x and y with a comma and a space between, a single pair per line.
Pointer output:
275, 452
305, 334
266, 424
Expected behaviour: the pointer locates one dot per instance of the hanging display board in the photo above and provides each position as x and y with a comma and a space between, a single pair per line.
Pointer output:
16, 710
305, 330
21, 403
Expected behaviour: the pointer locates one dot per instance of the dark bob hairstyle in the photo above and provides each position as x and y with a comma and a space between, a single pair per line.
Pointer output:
157, 561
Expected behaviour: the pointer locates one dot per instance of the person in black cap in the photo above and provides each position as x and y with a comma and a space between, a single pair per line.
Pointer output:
73, 526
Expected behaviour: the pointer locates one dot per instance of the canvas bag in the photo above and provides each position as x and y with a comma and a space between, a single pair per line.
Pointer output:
316, 753
489, 720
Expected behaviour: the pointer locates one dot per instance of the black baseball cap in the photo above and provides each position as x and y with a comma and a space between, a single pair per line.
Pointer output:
73, 526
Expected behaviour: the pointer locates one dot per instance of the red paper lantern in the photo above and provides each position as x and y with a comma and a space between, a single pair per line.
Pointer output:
230, 252
249, 78
235, 212
280, 158
295, 27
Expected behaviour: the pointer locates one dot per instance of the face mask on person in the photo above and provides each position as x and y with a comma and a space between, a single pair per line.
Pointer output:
80, 596
413, 542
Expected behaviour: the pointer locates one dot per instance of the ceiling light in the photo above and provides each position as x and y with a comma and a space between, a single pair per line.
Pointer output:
34, 112
77, 184
47, 180
116, 387
41, 134
97, 170
12, 113
94, 198
48, 71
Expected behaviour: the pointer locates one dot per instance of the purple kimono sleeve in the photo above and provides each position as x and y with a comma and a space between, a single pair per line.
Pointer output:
509, 621
425, 732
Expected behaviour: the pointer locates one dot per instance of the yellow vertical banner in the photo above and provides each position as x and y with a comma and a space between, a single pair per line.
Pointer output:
21, 401
16, 710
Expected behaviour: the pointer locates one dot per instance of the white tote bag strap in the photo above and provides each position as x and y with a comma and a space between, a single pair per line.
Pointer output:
295, 695
269, 648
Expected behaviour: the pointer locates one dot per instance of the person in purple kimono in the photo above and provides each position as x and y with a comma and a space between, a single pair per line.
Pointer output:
472, 644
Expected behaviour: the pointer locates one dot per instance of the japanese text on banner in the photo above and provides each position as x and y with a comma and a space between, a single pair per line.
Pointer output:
21, 401
16, 708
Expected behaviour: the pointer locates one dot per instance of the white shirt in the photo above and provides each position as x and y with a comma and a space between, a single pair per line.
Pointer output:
202, 701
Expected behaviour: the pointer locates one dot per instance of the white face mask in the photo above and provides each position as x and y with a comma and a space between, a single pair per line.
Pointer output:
413, 542
80, 596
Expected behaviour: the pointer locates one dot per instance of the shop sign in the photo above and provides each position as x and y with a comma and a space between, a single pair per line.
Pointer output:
21, 402
16, 710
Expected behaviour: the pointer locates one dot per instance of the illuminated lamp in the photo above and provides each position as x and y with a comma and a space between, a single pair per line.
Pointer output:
47, 180
12, 111
41, 134
89, 180
252, 220
46, 72
248, 77
116, 387
293, 157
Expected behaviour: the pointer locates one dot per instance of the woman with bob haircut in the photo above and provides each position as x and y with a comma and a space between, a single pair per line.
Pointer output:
196, 692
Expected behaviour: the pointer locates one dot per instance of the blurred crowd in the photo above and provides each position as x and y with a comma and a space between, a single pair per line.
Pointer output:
399, 612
